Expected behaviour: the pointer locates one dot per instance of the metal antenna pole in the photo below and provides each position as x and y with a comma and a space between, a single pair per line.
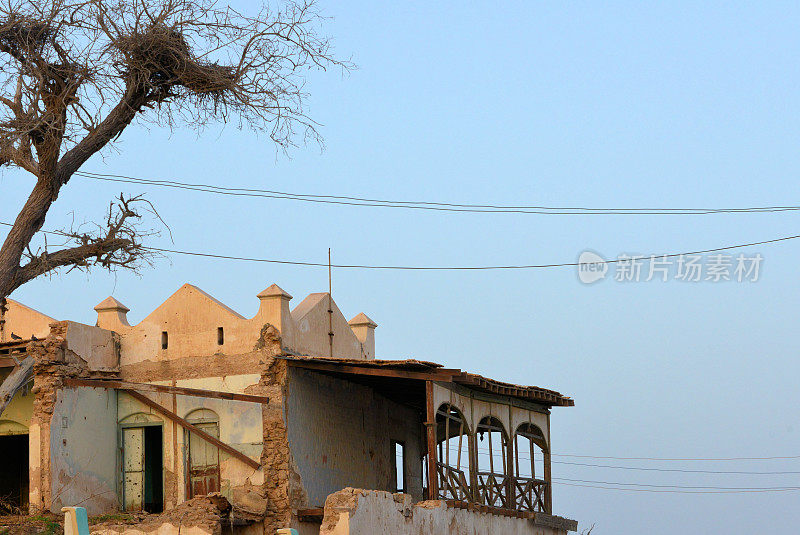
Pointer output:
330, 304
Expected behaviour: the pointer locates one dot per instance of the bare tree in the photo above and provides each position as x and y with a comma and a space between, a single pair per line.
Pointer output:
75, 73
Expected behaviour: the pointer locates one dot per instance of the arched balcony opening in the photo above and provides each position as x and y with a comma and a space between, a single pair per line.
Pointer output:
493, 484
453, 450
531, 471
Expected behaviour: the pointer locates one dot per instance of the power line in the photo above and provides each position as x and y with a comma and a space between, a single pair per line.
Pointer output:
687, 487
484, 451
677, 458
429, 268
630, 489
425, 205
454, 268
680, 470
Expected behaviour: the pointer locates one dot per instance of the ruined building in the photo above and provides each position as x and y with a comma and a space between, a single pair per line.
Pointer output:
288, 415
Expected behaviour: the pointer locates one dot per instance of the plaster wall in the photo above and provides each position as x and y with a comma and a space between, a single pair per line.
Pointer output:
97, 347
340, 435
24, 322
192, 320
240, 426
16, 418
83, 450
160, 529
314, 323
368, 512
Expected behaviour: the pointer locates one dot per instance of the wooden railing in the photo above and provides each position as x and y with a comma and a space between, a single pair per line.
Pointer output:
492, 490
529, 494
453, 484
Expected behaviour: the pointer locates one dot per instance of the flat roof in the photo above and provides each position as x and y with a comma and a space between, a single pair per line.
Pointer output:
421, 370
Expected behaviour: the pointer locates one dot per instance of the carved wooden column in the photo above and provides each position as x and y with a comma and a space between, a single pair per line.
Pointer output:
430, 429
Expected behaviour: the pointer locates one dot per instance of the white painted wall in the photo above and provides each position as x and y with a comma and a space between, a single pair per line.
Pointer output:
367, 512
83, 450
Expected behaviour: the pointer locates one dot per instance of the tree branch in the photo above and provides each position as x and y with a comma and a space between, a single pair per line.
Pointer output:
10, 154
117, 246
109, 128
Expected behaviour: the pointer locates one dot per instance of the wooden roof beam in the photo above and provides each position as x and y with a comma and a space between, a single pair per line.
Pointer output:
165, 389
434, 374
193, 429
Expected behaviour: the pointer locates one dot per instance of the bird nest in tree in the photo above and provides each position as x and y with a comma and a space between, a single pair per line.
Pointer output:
20, 33
163, 57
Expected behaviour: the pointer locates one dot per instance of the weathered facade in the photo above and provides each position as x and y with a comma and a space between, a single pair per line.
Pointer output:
287, 415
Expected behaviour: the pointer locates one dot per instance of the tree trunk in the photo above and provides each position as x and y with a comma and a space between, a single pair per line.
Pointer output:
14, 382
29, 221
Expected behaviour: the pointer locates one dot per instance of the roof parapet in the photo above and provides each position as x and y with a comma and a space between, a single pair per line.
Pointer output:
111, 314
364, 329
274, 309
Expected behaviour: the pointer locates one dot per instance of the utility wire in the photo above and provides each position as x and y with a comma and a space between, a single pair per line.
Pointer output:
677, 458
425, 205
680, 470
630, 489
687, 487
485, 452
430, 268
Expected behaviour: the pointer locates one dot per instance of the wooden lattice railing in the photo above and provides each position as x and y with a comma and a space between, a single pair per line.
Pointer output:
529, 494
492, 490
453, 484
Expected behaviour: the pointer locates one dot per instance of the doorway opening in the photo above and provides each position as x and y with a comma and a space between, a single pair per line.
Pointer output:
143, 451
14, 474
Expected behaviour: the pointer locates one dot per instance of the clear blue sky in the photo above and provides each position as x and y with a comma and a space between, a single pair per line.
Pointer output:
619, 104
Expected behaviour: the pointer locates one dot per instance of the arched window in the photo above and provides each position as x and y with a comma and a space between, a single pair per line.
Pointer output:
453, 466
530, 487
493, 483
203, 457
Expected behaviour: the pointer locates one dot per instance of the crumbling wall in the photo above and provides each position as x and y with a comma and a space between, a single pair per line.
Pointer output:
57, 458
256, 430
276, 459
205, 515
340, 434
368, 512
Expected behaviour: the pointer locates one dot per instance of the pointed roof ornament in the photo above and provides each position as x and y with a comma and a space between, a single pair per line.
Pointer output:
274, 291
109, 303
362, 319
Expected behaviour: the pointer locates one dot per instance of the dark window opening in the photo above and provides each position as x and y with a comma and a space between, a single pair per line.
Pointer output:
164, 340
14, 474
398, 465
220, 336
